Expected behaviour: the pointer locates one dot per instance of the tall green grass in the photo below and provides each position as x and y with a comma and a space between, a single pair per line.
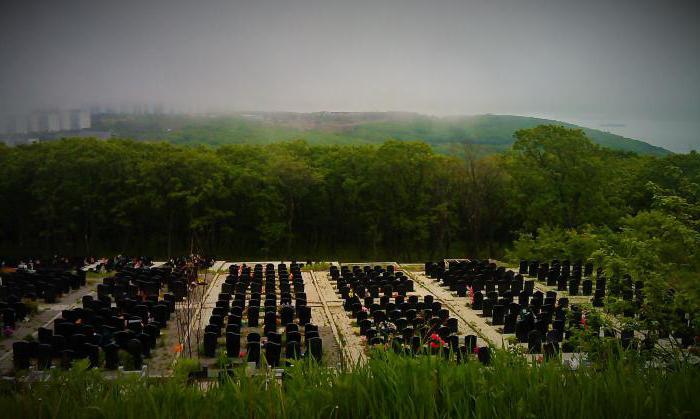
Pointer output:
387, 386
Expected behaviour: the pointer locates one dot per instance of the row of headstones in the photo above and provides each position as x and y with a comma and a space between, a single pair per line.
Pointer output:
45, 284
475, 271
384, 283
48, 285
240, 278
235, 314
291, 339
564, 268
237, 284
557, 274
85, 332
450, 348
370, 280
144, 282
465, 269
407, 323
529, 318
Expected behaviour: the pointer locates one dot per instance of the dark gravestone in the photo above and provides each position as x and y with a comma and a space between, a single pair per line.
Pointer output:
416, 344
470, 341
453, 324
253, 352
364, 326
67, 357
44, 355
550, 350
534, 342
287, 315
315, 348
210, 344
293, 349
111, 356
498, 314
484, 355
573, 287
58, 344
587, 287
272, 353
270, 322
93, 354
233, 345
478, 301
487, 308
253, 315
304, 314
509, 323
135, 349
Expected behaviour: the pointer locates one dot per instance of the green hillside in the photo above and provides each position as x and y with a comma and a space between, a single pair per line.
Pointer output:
489, 133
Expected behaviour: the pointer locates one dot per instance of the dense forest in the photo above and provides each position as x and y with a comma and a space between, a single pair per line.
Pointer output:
398, 200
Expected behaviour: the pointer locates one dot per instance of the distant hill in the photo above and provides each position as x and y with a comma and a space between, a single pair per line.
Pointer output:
489, 133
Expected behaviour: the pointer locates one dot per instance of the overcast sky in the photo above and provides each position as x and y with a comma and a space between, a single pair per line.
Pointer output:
630, 63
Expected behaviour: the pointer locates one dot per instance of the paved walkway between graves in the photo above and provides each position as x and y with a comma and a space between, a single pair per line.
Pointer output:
211, 295
162, 359
45, 317
468, 318
322, 298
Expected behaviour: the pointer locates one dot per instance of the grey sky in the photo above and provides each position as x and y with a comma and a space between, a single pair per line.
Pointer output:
633, 62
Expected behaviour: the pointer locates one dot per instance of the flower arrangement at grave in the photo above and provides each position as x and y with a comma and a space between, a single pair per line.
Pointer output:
386, 329
435, 343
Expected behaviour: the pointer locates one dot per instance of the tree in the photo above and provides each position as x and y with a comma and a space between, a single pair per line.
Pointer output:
558, 178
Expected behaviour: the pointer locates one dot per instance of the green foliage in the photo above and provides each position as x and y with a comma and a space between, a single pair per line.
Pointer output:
554, 243
389, 386
289, 200
183, 367
488, 133
559, 178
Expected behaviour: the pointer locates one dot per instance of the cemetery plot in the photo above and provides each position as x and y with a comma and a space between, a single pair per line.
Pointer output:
26, 306
486, 334
577, 283
284, 332
389, 312
117, 327
512, 305
21, 289
272, 314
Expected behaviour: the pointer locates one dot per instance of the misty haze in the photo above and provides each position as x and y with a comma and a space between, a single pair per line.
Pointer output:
350, 209
594, 63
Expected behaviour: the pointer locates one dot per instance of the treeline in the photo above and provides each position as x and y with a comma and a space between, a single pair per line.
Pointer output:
398, 200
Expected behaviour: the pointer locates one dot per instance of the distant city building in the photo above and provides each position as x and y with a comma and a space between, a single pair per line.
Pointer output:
65, 121
18, 124
49, 122
82, 119
33, 125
